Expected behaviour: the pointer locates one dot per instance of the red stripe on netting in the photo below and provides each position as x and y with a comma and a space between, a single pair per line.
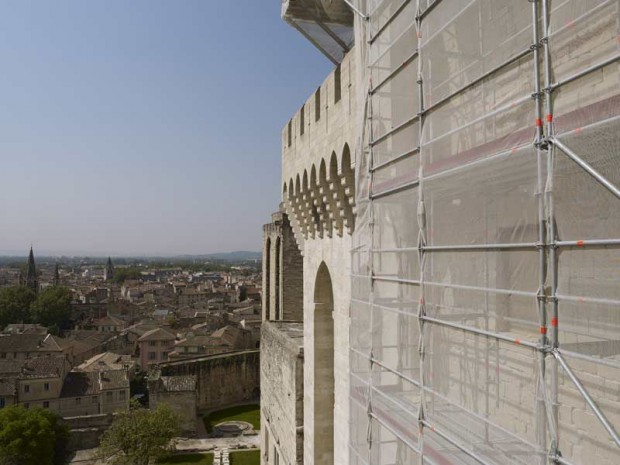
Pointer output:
554, 322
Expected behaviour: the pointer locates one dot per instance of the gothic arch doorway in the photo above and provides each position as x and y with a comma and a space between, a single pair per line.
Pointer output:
323, 368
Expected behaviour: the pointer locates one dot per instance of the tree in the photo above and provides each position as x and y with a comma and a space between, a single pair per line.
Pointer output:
138, 388
123, 274
30, 436
52, 308
15, 305
139, 436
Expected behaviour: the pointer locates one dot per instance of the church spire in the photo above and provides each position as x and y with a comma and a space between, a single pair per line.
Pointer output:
56, 275
109, 270
31, 277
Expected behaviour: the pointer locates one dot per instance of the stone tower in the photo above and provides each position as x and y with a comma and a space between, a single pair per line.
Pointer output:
31, 276
108, 274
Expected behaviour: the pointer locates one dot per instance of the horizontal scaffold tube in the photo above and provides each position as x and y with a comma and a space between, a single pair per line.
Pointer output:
397, 128
435, 394
588, 242
456, 248
482, 332
583, 72
393, 190
459, 446
395, 159
388, 21
394, 72
478, 80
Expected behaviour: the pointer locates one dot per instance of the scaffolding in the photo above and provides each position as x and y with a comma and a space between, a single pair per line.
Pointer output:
485, 313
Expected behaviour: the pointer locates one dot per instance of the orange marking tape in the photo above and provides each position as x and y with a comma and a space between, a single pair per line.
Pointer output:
554, 322
549, 118
580, 243
577, 130
539, 122
518, 341
543, 330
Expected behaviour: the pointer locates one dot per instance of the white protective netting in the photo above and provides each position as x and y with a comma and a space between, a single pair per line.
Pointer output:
485, 314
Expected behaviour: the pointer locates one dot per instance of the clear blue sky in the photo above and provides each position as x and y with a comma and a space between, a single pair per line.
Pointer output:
145, 126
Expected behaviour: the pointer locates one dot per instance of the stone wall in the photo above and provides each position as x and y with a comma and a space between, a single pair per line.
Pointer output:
222, 380
319, 200
282, 392
85, 431
183, 403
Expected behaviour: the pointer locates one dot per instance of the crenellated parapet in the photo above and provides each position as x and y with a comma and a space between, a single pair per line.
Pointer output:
318, 188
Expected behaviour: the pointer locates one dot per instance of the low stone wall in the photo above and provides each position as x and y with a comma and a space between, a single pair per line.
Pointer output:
85, 431
222, 380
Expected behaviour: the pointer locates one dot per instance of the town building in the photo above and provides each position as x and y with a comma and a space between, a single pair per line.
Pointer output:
154, 346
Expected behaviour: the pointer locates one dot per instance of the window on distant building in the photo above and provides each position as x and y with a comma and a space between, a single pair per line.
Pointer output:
152, 355
78, 400
94, 399
46, 404
164, 356
2, 354
152, 343
46, 387
26, 387
108, 395
2, 402
122, 395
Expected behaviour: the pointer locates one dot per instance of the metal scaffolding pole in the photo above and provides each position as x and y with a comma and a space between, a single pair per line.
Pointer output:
421, 218
551, 229
541, 424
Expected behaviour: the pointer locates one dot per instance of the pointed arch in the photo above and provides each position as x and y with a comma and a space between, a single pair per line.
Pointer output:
323, 367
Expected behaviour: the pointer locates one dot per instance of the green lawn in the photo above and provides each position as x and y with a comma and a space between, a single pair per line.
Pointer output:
189, 459
249, 413
251, 457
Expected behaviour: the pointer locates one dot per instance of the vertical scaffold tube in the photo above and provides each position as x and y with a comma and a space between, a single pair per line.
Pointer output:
551, 232
541, 423
421, 216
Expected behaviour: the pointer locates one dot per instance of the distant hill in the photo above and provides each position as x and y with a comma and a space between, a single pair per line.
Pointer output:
237, 256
